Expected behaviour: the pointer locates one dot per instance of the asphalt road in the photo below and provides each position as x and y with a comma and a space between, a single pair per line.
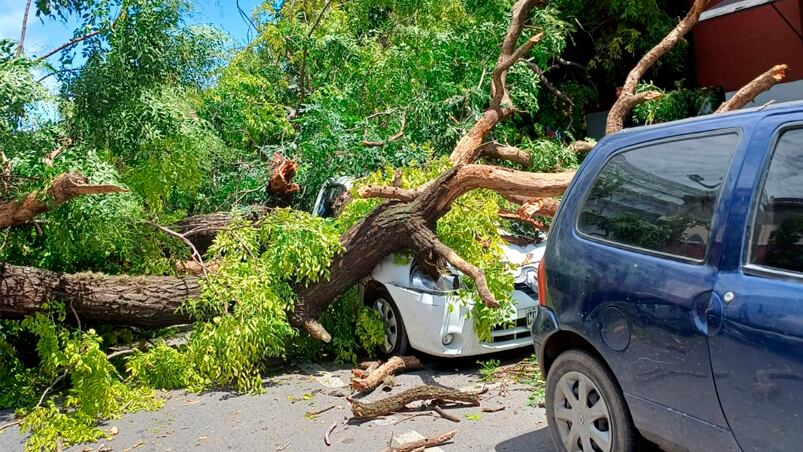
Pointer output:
277, 420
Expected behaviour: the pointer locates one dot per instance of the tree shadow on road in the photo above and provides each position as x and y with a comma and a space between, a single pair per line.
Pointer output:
533, 441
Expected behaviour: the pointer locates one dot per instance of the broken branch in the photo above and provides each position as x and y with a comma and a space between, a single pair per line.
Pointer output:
283, 172
63, 188
469, 146
398, 401
423, 444
329, 431
395, 365
395, 137
396, 193
134, 300
512, 216
547, 207
757, 86
75, 41
473, 272
444, 414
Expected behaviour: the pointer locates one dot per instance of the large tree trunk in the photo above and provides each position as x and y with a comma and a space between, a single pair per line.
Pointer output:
133, 300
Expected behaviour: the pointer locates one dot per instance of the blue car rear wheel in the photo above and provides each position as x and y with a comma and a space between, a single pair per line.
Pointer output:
585, 407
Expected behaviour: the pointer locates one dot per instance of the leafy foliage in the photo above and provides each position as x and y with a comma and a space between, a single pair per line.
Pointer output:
677, 104
96, 389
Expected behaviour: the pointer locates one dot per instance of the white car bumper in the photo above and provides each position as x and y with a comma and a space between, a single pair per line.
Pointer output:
427, 319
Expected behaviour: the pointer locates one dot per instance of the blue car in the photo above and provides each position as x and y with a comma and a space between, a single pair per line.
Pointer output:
671, 291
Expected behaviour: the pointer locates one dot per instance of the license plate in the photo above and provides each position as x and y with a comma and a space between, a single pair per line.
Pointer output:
531, 314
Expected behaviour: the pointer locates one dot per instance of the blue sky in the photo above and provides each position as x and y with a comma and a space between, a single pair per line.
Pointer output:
44, 36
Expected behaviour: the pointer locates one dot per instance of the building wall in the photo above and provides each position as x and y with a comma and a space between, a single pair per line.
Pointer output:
733, 49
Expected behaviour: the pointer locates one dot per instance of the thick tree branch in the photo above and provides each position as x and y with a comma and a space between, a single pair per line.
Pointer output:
396, 193
581, 147
757, 86
504, 152
468, 148
547, 207
425, 239
520, 185
397, 402
505, 181
132, 300
64, 188
423, 444
628, 97
501, 97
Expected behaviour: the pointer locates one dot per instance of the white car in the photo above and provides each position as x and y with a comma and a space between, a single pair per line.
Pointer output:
416, 309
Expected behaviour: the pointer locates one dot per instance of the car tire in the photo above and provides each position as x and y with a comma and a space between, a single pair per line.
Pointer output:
396, 341
577, 383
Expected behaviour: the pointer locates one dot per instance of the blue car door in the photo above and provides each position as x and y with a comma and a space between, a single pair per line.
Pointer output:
756, 346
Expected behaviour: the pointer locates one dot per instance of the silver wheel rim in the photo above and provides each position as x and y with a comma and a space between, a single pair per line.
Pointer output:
582, 415
391, 323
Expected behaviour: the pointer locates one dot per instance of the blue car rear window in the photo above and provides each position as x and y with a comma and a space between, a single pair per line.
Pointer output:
660, 197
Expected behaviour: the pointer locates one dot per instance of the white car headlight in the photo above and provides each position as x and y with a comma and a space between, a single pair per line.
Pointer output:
421, 281
527, 279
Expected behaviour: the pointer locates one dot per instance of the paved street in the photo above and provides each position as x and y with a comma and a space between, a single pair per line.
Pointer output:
277, 420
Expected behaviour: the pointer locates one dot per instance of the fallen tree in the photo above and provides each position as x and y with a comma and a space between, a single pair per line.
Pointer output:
405, 221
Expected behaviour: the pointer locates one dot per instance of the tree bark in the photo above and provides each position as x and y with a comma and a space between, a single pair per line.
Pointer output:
505, 152
749, 92
142, 301
201, 230
63, 188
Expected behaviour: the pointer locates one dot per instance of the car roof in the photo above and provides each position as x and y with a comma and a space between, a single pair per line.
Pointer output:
732, 119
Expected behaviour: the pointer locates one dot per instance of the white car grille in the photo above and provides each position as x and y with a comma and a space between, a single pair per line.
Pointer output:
505, 333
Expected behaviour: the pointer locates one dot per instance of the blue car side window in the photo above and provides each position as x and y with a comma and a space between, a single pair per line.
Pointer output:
661, 197
777, 238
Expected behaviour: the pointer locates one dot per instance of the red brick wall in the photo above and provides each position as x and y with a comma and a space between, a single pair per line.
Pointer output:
733, 49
